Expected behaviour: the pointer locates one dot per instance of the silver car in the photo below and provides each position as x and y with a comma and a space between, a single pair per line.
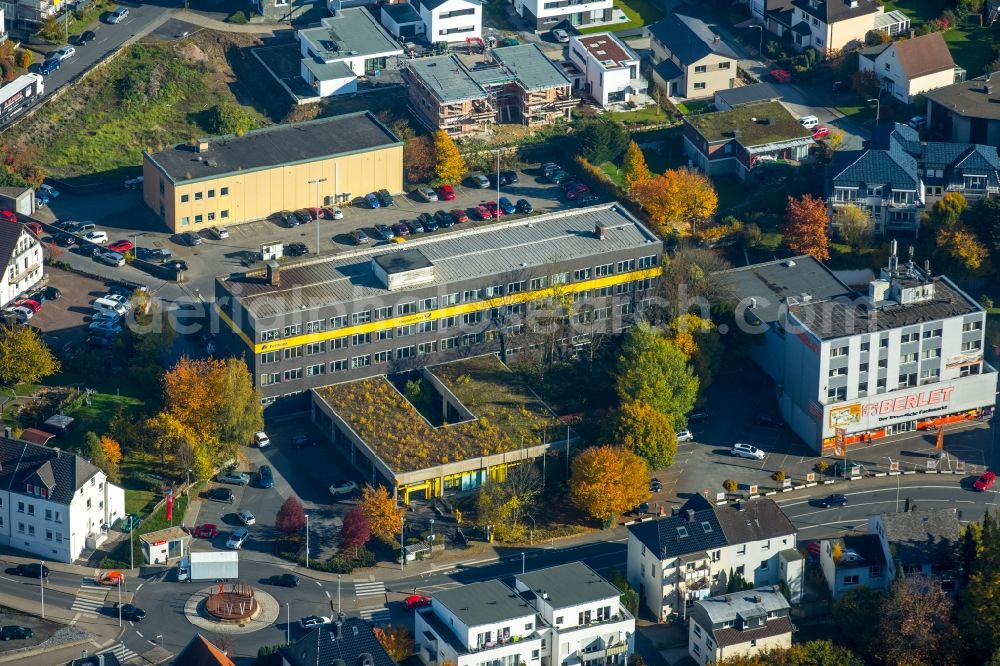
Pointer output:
246, 517
743, 450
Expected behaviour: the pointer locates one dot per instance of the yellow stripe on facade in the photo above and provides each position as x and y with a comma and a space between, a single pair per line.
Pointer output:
449, 311
236, 329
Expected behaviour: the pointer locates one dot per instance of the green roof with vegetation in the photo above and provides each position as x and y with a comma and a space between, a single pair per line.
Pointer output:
757, 124
508, 416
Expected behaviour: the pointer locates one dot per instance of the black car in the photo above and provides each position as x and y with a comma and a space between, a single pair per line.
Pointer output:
303, 216
32, 570
841, 85
190, 238
14, 631
655, 486
494, 177
510, 176
132, 613
833, 500
85, 37
296, 249
100, 342
428, 222
444, 219
524, 206
176, 264
67, 225
768, 421
222, 495
303, 442
288, 219
64, 240
152, 254
384, 198
284, 580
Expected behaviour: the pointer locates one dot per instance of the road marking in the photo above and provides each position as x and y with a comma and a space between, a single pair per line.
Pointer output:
123, 653
379, 615
327, 593
874, 490
8, 579
89, 599
362, 590
140, 587
318, 584
139, 633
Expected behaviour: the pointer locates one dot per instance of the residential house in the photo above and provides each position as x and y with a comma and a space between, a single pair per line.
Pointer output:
451, 20
402, 21
541, 15
509, 84
778, 16
675, 560
741, 139
21, 254
689, 58
899, 175
583, 620
739, 624
852, 561
348, 45
201, 652
966, 112
25, 14
908, 67
610, 69
3, 23
755, 93
562, 615
347, 641
921, 541
54, 503
832, 26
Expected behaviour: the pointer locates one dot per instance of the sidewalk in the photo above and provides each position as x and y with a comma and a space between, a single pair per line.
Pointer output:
214, 24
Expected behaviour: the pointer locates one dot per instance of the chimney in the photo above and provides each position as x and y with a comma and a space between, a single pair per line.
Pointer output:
7, 432
202, 145
690, 515
927, 268
599, 231
274, 273
717, 39
338, 629
58, 451
100, 660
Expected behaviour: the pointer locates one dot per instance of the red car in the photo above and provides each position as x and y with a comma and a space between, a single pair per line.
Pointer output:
484, 212
446, 193
7, 215
577, 191
121, 246
416, 601
206, 531
30, 303
985, 481
781, 76
821, 131
460, 215
494, 209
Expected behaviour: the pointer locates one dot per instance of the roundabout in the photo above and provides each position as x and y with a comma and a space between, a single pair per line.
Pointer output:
231, 608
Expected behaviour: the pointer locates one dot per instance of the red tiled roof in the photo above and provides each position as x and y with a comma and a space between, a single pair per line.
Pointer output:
604, 47
36, 436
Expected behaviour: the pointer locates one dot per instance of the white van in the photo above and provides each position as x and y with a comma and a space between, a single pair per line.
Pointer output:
809, 122
109, 305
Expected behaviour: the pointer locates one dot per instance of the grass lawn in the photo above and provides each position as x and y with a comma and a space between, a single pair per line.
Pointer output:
732, 191
119, 557
970, 47
611, 171
639, 13
95, 416
690, 108
649, 114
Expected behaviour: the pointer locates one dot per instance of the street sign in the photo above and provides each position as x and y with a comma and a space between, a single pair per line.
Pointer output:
893, 466
959, 465
753, 490
838, 440
810, 477
932, 464
720, 497
786, 483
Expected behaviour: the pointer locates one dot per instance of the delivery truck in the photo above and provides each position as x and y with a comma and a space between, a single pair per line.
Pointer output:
211, 566
19, 95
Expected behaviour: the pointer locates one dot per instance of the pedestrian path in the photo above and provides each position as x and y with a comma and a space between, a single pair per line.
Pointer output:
125, 655
368, 589
378, 615
89, 599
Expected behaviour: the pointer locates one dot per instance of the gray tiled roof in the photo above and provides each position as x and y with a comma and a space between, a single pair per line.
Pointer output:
725, 607
893, 167
757, 92
832, 11
61, 472
923, 535
754, 520
969, 98
569, 585
689, 38
323, 645
486, 602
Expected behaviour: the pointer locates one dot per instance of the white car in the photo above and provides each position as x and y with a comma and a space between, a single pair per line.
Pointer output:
311, 621
743, 450
560, 35
427, 194
236, 541
64, 53
343, 487
118, 15
809, 122
220, 232
338, 214
246, 517
105, 327
121, 300
685, 436
260, 439
99, 237
23, 313
49, 191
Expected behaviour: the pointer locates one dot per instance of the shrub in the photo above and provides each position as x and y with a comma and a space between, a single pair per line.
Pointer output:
822, 466
779, 476
239, 18
730, 485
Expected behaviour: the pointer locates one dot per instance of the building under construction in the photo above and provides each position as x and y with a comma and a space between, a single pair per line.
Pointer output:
511, 84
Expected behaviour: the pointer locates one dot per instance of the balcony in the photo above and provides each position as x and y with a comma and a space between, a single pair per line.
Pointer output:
621, 616
606, 649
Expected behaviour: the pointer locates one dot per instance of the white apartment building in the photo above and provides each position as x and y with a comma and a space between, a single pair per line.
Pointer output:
553, 617
542, 15
905, 356
451, 20
676, 560
52, 503
739, 624
21, 255
610, 69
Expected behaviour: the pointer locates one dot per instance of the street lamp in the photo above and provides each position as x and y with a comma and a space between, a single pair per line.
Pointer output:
402, 544
187, 487
41, 584
877, 108
288, 624
316, 183
338, 594
760, 47
531, 531
120, 601
498, 178
307, 541
522, 562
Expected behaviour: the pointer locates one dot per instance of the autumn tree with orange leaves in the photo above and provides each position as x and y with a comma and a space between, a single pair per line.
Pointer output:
606, 481
396, 640
382, 512
634, 169
806, 227
680, 198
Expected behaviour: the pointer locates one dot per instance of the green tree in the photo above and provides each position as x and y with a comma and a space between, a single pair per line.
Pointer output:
979, 611
654, 371
854, 225
647, 433
95, 451
230, 118
948, 210
601, 140
24, 356
629, 597
856, 615
505, 504
201, 465
634, 169
449, 165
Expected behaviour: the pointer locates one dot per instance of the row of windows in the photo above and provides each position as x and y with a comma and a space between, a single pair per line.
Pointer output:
198, 196
884, 342
470, 296
201, 219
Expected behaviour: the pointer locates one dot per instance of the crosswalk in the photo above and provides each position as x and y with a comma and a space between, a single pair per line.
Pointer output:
89, 599
366, 589
125, 655
379, 615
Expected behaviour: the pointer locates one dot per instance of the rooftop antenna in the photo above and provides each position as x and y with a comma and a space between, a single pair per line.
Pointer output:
893, 260
911, 258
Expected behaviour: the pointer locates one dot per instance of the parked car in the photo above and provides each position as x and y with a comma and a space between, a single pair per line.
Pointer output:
497, 179
400, 229
30, 303
480, 181
445, 193
246, 517
821, 132
428, 221
296, 249
100, 341
833, 500
371, 200
444, 219
113, 259
560, 36
415, 601
65, 53
588, 199
312, 621
550, 167
303, 216
105, 328
85, 38
655, 486
697, 417
22, 314
49, 66
206, 531
577, 192
52, 293
385, 198
234, 477
283, 580
190, 238
484, 212
118, 15
64, 240
414, 227
984, 481
133, 183
288, 219
221, 495
238, 538
152, 254
742, 450
178, 265
918, 122
426, 194
32, 570
809, 122
842, 85
560, 177
303, 442
129, 522
359, 237
219, 232
494, 208
333, 213
65, 225
510, 177
848, 468
524, 206
506, 206
121, 246
133, 613
265, 477
343, 487
460, 215
685, 436
98, 237
384, 232
781, 75
14, 632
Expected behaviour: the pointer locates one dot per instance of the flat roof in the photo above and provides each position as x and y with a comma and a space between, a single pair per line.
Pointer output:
447, 78
751, 94
403, 261
507, 247
402, 13
487, 602
353, 32
758, 124
534, 69
568, 585
277, 145
607, 49
509, 416
324, 71
969, 98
